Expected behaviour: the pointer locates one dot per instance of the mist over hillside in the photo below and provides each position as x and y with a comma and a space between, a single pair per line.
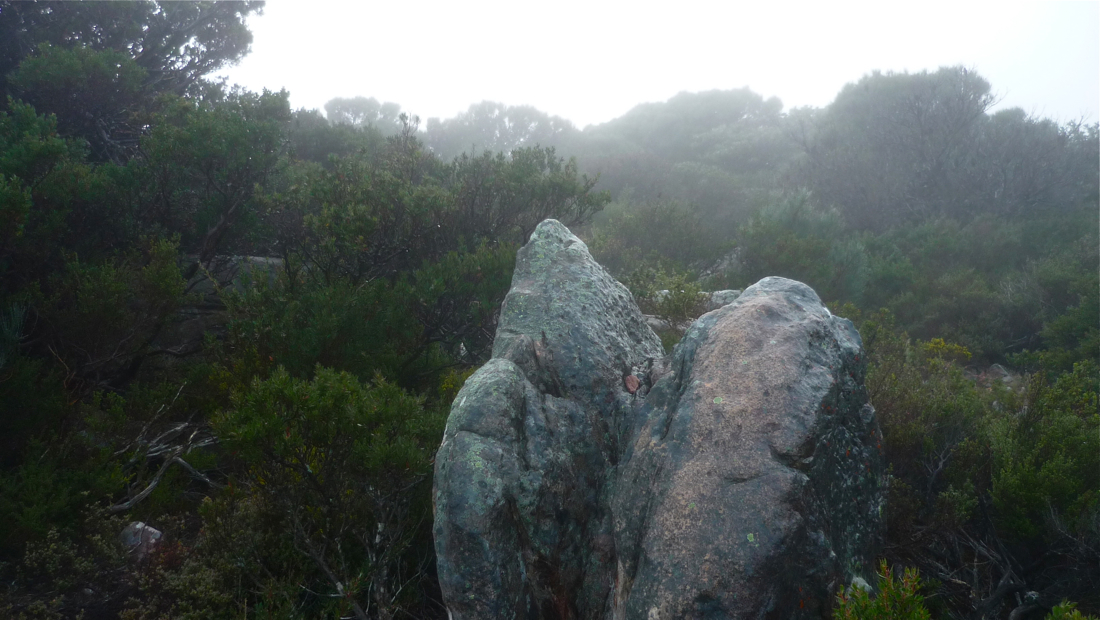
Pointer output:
242, 326
895, 155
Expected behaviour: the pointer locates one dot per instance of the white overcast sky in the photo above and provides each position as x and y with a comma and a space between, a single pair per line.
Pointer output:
592, 61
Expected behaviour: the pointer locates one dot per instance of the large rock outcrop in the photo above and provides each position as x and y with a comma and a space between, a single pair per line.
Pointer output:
584, 475
754, 486
523, 527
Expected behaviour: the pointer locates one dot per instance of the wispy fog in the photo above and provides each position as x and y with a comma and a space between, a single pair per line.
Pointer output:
593, 63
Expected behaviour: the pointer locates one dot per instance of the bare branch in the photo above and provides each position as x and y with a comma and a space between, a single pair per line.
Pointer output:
117, 508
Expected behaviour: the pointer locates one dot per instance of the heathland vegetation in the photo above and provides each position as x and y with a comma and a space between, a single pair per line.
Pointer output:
278, 424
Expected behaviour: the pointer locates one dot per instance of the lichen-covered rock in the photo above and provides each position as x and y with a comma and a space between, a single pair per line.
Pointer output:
522, 525
754, 487
717, 299
584, 475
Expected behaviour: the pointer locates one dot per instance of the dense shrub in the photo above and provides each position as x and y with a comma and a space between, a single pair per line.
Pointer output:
794, 239
985, 474
343, 471
896, 599
626, 237
1046, 456
1067, 611
285, 452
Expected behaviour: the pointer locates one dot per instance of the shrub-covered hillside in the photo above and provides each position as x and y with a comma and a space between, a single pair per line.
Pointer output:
243, 324
964, 245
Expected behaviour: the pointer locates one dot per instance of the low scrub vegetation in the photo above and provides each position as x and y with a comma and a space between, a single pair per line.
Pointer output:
278, 424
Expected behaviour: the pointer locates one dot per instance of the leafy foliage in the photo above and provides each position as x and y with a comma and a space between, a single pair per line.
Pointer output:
916, 146
495, 127
129, 299
345, 470
1067, 611
278, 424
1047, 459
626, 236
896, 600
407, 329
176, 44
365, 112
795, 240
205, 160
51, 490
312, 138
502, 197
976, 476
93, 92
101, 67
722, 152
52, 201
667, 294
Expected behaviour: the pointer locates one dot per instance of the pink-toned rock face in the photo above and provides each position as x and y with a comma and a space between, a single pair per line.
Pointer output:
754, 488
585, 475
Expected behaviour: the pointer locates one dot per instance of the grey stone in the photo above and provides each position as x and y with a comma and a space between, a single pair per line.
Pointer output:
139, 539
998, 372
755, 486
731, 262
718, 299
583, 474
522, 526
656, 323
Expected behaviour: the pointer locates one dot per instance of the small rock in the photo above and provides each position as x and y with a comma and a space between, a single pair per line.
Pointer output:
139, 539
996, 371
996, 374
722, 298
657, 324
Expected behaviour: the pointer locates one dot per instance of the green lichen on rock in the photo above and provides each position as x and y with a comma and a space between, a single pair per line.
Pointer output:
545, 415
739, 478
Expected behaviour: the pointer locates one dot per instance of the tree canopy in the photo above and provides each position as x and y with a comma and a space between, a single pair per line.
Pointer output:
496, 127
100, 66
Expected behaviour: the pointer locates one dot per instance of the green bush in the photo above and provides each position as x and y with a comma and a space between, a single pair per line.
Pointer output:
627, 236
667, 293
1067, 611
340, 471
1046, 454
53, 487
129, 299
793, 239
32, 402
896, 600
408, 328
932, 420
971, 464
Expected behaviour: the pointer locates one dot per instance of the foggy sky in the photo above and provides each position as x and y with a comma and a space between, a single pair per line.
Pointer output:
593, 63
